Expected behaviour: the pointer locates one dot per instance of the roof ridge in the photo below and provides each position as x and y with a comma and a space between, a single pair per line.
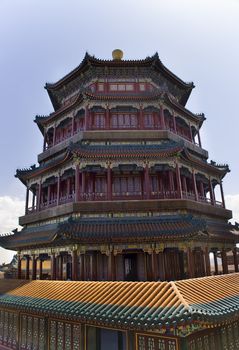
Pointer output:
179, 295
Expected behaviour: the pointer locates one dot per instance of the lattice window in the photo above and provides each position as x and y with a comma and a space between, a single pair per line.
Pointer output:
60, 335
236, 337
14, 331
41, 334
206, 342
1, 326
76, 337
35, 334
212, 341
192, 345
148, 120
68, 336
5, 326
171, 345
99, 121
29, 333
151, 344
52, 335
162, 344
24, 332
141, 341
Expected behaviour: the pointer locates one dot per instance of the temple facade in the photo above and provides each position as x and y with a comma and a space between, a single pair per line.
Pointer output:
125, 203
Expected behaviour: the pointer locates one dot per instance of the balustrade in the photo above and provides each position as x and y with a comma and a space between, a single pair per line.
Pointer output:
153, 187
118, 124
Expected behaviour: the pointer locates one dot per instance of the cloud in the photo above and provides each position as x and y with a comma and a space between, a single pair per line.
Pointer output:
10, 209
232, 203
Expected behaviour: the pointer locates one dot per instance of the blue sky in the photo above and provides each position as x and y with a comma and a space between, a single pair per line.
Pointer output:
43, 40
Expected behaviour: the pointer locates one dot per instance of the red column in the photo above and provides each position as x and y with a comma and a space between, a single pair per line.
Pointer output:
207, 262
27, 267
162, 119
195, 185
82, 267
83, 182
39, 197
48, 194
179, 184
77, 183
33, 200
86, 118
44, 140
212, 197
235, 258
19, 267
224, 261
109, 183
107, 118
68, 187
27, 200
141, 118
171, 181
54, 135
58, 189
190, 261
199, 139
72, 125
202, 189
222, 194
34, 267
90, 119
74, 265
146, 181
111, 267
154, 266
190, 131
53, 266
174, 124
40, 268
215, 262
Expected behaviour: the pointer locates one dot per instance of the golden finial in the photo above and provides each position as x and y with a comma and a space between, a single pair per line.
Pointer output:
117, 54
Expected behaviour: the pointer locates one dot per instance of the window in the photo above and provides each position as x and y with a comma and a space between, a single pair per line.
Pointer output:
100, 87
124, 121
127, 185
99, 121
148, 121
105, 339
142, 87
121, 87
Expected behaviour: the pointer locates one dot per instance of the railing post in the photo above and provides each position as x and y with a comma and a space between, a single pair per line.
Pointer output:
39, 197
195, 185
199, 139
212, 196
179, 184
146, 181
162, 118
19, 267
77, 183
141, 120
27, 200
107, 117
109, 183
222, 194
58, 189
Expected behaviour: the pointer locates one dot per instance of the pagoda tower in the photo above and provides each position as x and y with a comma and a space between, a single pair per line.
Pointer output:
123, 191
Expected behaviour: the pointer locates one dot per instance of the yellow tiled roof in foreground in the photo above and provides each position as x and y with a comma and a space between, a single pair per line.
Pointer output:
152, 305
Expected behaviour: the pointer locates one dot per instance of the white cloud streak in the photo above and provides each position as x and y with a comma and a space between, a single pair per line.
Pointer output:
232, 203
10, 209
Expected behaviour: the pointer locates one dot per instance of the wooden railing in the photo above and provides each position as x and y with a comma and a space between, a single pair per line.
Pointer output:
102, 196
